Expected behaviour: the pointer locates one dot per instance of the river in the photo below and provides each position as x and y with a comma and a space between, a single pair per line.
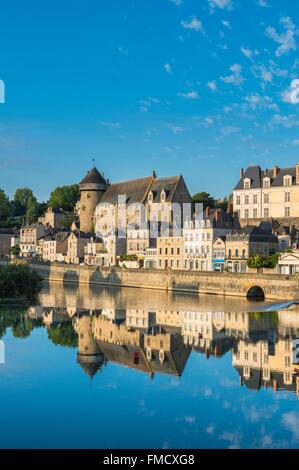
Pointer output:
108, 367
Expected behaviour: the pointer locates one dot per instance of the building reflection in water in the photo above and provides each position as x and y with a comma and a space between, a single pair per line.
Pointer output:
160, 341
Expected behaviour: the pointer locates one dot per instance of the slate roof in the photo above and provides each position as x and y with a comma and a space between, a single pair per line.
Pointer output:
253, 233
93, 176
169, 185
256, 175
134, 190
221, 219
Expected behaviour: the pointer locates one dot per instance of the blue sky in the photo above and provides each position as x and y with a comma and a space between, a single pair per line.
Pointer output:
198, 87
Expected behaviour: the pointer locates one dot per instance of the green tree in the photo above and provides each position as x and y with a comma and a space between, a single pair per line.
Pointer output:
15, 250
4, 206
21, 200
32, 210
63, 335
204, 198
258, 261
65, 197
19, 281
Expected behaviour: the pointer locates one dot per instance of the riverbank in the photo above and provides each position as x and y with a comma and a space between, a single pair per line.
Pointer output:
249, 285
19, 284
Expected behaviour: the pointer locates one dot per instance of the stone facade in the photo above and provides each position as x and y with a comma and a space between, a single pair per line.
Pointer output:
264, 194
170, 252
275, 286
92, 187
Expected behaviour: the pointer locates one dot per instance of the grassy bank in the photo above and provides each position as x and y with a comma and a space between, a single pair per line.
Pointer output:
19, 283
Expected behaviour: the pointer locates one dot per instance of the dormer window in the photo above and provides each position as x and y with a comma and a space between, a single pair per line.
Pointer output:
287, 180
163, 195
247, 183
150, 196
266, 182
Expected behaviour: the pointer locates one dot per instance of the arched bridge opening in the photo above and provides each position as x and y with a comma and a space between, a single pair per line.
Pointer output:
256, 293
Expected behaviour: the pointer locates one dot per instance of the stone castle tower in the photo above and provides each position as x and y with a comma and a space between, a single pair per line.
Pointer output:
89, 354
92, 187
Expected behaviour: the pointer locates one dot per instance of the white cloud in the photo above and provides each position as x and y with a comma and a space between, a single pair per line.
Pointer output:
256, 101
146, 104
247, 138
212, 85
194, 24
290, 422
267, 72
249, 53
123, 51
296, 142
175, 129
209, 120
220, 4
112, 125
168, 68
190, 95
177, 2
291, 94
287, 121
227, 130
236, 77
262, 3
285, 40
226, 24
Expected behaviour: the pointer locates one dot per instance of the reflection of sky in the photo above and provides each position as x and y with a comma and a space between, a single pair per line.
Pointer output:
47, 401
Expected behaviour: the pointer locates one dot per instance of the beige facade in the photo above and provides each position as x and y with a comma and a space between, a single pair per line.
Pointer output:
289, 263
138, 240
55, 218
142, 200
54, 247
242, 244
265, 194
95, 253
170, 253
29, 236
77, 242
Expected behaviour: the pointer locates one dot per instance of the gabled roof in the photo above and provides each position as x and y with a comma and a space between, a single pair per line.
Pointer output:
134, 190
167, 184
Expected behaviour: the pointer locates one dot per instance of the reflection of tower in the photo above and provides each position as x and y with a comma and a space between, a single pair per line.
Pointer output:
92, 187
89, 354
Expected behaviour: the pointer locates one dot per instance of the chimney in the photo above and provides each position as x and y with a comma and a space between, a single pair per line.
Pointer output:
207, 211
230, 207
275, 171
218, 215
297, 173
241, 173
154, 174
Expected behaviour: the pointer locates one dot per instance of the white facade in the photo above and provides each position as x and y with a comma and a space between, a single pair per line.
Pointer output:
289, 263
198, 244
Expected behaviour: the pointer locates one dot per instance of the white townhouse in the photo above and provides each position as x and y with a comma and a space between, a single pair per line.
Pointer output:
199, 236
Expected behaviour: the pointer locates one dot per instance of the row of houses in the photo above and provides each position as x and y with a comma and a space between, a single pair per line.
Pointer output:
160, 341
218, 240
215, 243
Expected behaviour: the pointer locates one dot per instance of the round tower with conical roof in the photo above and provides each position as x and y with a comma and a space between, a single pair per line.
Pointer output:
92, 187
89, 356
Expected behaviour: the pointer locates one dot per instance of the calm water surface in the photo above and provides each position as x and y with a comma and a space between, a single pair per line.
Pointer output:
93, 367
